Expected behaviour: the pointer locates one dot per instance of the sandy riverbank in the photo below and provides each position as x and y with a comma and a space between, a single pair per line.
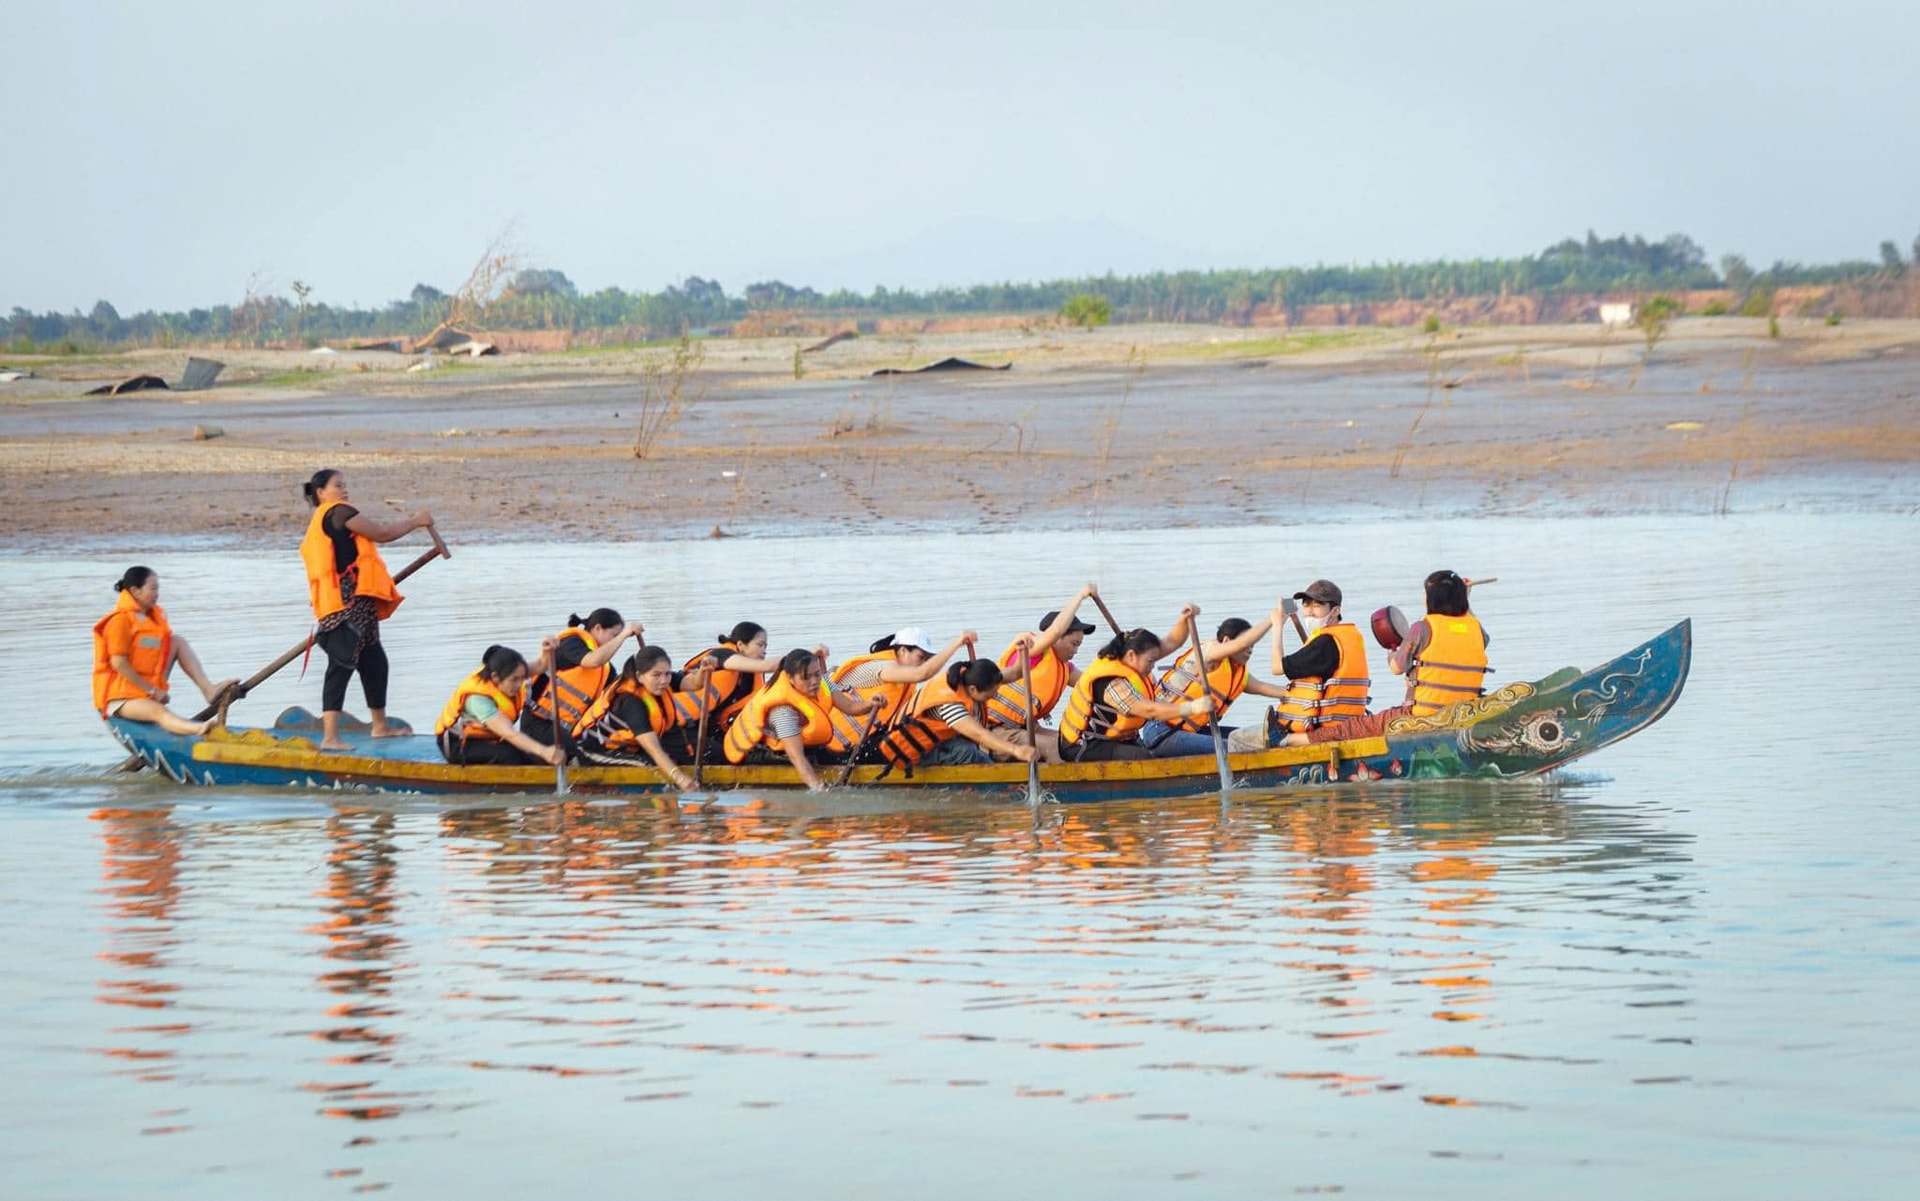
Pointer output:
1125, 427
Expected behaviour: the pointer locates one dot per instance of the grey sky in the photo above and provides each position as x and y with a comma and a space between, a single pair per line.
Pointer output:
160, 154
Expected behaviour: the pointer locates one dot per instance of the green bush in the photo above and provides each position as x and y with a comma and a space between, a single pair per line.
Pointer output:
1773, 327
1431, 325
1760, 304
1833, 318
1715, 308
1087, 310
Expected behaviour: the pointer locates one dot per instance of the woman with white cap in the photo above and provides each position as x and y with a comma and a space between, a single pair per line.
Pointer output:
886, 677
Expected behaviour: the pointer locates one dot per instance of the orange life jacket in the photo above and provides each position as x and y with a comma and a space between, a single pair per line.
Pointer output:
150, 655
1089, 716
892, 698
1312, 701
727, 691
577, 687
599, 727
1008, 706
750, 730
1451, 667
915, 737
454, 715
323, 582
1225, 681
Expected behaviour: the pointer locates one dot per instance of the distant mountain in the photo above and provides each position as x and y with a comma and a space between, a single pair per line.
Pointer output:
963, 251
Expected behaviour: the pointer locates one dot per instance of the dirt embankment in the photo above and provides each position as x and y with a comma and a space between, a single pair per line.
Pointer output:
1129, 427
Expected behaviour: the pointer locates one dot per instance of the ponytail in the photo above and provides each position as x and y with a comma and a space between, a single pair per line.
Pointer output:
1133, 642
795, 661
321, 479
500, 662
1446, 594
982, 674
885, 644
602, 618
645, 659
133, 577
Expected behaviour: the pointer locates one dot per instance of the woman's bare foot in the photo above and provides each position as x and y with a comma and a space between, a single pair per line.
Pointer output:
398, 729
335, 745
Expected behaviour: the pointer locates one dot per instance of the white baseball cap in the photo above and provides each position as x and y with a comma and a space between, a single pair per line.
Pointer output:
914, 636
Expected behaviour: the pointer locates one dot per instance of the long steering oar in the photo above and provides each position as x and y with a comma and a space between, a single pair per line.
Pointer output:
225, 697
1213, 723
260, 677
1033, 742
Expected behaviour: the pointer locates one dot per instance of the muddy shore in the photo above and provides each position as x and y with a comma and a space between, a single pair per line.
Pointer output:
1126, 427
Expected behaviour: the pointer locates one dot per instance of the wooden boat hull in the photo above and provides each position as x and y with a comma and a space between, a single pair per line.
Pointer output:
1521, 730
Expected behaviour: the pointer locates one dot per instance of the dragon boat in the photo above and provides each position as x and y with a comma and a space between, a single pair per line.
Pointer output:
1520, 730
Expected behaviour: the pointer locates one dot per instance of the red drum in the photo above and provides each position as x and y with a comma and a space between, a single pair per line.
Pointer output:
1389, 627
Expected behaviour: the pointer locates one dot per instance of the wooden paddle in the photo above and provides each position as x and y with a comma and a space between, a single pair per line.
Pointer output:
226, 696
853, 755
1213, 724
700, 739
1033, 742
1291, 607
1107, 613
559, 735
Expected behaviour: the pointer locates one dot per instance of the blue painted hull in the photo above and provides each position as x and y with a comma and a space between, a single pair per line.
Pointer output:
1519, 731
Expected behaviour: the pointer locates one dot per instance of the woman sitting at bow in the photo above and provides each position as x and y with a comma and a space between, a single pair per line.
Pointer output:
134, 650
793, 718
948, 723
476, 727
642, 713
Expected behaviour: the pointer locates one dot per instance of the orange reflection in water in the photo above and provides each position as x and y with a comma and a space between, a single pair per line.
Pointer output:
360, 938
140, 876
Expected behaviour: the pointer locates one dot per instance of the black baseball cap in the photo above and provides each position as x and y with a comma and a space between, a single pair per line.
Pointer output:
1053, 615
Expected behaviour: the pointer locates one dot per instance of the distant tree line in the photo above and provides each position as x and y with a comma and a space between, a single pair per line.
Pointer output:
543, 298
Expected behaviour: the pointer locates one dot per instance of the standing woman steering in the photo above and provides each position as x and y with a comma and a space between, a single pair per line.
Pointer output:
352, 593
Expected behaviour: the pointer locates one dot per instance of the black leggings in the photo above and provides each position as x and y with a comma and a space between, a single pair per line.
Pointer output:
481, 751
346, 655
1097, 750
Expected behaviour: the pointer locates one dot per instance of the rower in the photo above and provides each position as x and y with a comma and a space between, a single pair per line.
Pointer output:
1227, 678
1113, 700
476, 726
134, 650
887, 675
947, 726
739, 667
641, 712
351, 593
792, 718
582, 653
1052, 650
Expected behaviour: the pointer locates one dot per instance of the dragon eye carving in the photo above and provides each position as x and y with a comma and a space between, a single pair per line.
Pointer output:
1543, 732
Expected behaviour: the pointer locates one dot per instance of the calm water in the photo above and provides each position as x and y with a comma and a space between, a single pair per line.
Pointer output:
1689, 969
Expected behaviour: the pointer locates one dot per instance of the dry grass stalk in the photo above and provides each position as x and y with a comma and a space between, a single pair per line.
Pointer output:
1110, 428
669, 386
473, 305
